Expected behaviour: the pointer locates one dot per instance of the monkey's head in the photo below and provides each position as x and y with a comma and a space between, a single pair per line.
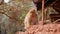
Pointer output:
33, 13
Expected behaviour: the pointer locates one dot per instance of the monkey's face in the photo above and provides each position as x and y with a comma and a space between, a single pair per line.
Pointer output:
33, 13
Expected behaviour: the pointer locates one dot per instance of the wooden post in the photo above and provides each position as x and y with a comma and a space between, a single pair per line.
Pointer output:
43, 11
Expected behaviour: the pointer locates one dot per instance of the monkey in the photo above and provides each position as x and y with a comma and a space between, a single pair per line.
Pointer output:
31, 18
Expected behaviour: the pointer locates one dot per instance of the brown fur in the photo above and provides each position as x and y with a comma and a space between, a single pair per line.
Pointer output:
31, 18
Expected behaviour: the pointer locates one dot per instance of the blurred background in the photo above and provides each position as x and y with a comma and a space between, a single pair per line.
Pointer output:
12, 13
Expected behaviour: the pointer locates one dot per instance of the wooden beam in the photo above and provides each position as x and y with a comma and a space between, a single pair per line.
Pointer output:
43, 11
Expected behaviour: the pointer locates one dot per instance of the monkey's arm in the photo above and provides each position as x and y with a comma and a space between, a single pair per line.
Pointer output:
26, 21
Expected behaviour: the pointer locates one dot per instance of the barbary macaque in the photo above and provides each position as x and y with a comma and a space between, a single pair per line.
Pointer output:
31, 18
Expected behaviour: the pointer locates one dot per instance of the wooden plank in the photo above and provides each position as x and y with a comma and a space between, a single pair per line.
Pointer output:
43, 11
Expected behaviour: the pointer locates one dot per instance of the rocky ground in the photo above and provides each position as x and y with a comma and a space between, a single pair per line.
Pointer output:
43, 29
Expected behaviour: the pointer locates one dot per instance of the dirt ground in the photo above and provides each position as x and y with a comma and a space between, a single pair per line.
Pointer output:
43, 29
